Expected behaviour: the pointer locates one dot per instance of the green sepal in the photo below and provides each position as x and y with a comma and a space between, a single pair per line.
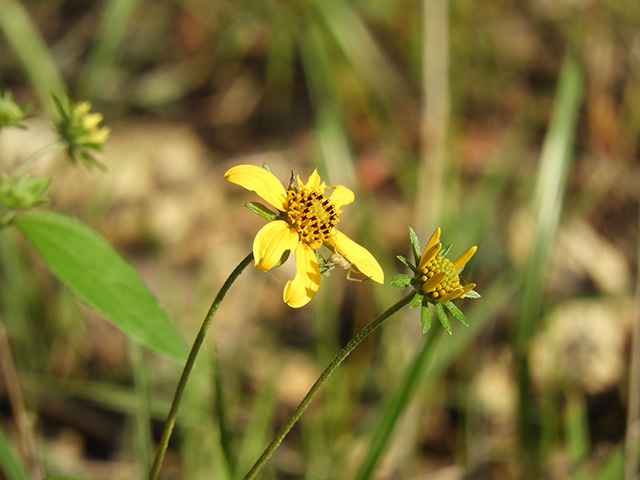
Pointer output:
407, 263
416, 301
445, 250
261, 210
442, 316
401, 280
425, 317
456, 312
283, 258
267, 168
472, 294
415, 245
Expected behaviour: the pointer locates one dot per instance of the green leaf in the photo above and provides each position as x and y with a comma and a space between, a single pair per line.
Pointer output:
442, 316
261, 210
61, 478
456, 312
415, 245
416, 301
445, 250
401, 280
407, 263
99, 276
472, 294
9, 462
425, 317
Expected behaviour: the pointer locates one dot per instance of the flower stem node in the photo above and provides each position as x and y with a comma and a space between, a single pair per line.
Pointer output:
306, 221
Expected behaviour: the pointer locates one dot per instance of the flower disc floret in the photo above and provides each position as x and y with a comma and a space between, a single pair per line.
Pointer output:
438, 276
312, 215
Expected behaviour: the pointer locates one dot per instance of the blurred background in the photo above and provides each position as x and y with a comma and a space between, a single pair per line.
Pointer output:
513, 125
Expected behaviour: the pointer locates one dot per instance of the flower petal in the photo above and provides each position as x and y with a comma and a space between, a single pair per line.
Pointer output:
271, 242
359, 256
259, 180
434, 239
462, 260
341, 196
299, 291
313, 183
429, 253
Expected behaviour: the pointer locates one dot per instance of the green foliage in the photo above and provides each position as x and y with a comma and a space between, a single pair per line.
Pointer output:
261, 210
9, 462
442, 316
415, 245
401, 280
425, 317
416, 301
11, 114
21, 192
99, 276
456, 312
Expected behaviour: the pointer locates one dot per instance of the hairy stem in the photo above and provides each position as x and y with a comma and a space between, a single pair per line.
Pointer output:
175, 404
324, 376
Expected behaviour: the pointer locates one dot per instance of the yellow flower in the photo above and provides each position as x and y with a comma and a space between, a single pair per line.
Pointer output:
80, 130
438, 276
307, 221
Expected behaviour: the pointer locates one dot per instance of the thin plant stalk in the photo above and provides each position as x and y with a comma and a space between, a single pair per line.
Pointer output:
20, 170
324, 376
632, 437
175, 404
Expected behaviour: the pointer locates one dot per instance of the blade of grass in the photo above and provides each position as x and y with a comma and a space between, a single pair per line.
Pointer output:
142, 420
436, 108
11, 466
576, 425
632, 436
222, 416
395, 406
555, 159
115, 19
32, 51
258, 429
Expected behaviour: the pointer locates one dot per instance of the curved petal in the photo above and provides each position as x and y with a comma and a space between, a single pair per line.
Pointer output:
259, 180
462, 260
341, 196
313, 183
271, 242
359, 256
299, 291
429, 254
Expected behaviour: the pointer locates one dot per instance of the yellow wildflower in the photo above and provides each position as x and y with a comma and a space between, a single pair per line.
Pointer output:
306, 222
80, 130
438, 276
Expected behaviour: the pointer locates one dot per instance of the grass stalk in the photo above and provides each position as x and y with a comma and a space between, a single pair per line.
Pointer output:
632, 436
391, 413
555, 159
32, 51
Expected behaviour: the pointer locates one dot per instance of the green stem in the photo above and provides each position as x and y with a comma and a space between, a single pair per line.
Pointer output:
175, 404
324, 376
37, 154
